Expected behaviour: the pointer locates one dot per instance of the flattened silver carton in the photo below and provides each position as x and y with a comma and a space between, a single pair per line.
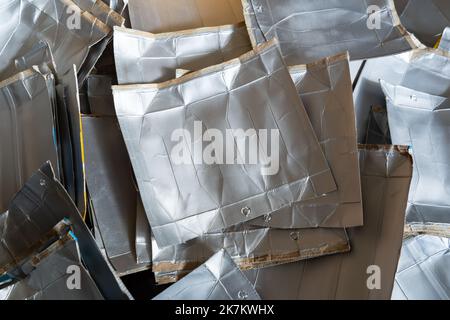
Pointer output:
185, 199
26, 129
70, 32
217, 279
52, 277
426, 70
422, 120
113, 193
425, 19
312, 30
251, 248
368, 270
143, 57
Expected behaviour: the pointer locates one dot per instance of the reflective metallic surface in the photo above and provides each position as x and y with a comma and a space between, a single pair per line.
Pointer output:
385, 178
174, 15
29, 21
254, 91
143, 57
326, 91
422, 272
299, 27
26, 129
48, 280
423, 120
425, 19
252, 247
217, 279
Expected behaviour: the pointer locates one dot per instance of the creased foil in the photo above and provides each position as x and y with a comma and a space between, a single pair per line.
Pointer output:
174, 15
422, 120
70, 32
251, 247
385, 178
422, 272
143, 57
112, 192
26, 129
217, 279
184, 200
366, 29
29, 221
53, 272
425, 19
426, 70
326, 91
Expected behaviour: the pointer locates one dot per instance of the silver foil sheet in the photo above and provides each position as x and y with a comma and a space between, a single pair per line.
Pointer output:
422, 120
425, 19
112, 192
53, 272
431, 66
254, 91
326, 91
26, 129
217, 279
251, 247
174, 15
70, 32
385, 178
366, 29
422, 272
29, 224
143, 57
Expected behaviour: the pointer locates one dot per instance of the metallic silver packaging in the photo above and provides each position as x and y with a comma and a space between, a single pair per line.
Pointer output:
385, 178
52, 271
26, 129
217, 279
174, 15
254, 91
70, 31
112, 192
366, 29
422, 120
251, 247
422, 272
431, 66
425, 19
111, 19
29, 223
143, 57
326, 91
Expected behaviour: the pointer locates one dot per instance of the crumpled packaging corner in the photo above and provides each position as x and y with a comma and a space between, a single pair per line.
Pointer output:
217, 279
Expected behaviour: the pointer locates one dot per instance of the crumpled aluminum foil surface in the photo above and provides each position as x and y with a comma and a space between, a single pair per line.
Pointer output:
143, 57
254, 91
217, 279
422, 272
26, 129
366, 29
